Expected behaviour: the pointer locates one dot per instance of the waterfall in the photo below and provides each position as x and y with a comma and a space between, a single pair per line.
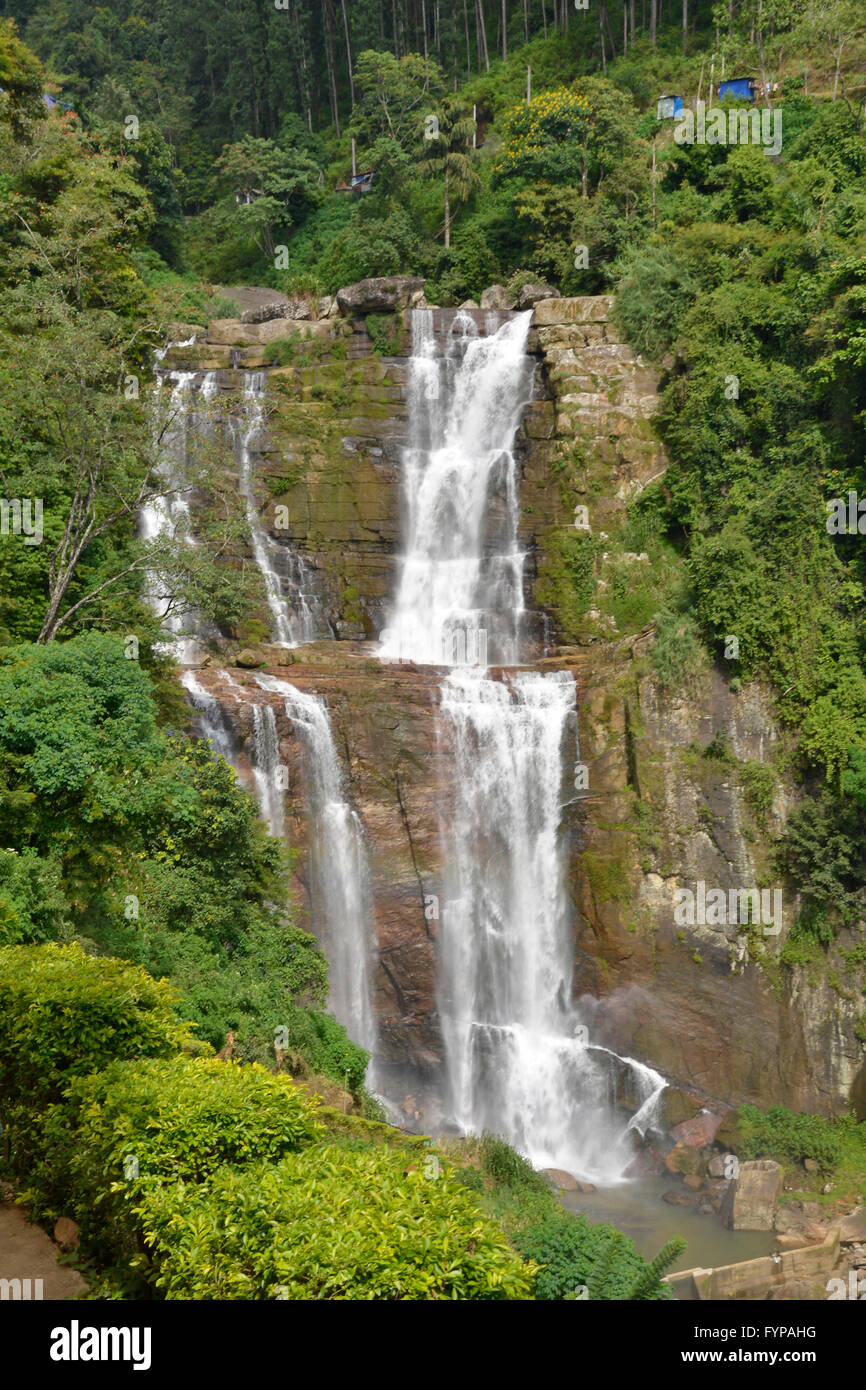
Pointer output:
339, 872
268, 773
169, 515
518, 1057
213, 723
519, 1060
460, 586
292, 617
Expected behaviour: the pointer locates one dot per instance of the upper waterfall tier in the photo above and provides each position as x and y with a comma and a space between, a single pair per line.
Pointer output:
459, 597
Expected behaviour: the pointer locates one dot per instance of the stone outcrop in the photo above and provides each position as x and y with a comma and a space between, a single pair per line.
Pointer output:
530, 295
497, 297
386, 294
278, 309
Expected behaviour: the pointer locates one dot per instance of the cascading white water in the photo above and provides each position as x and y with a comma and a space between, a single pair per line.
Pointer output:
518, 1057
460, 588
267, 770
169, 514
291, 613
518, 1060
340, 880
212, 722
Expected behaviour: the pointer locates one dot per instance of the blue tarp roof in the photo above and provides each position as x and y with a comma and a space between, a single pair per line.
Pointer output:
737, 87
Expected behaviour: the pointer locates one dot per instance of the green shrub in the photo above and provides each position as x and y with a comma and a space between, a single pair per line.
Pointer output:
33, 906
781, 1134
759, 788
507, 1168
139, 1123
677, 654
326, 1046
572, 1253
328, 1223
64, 1014
386, 334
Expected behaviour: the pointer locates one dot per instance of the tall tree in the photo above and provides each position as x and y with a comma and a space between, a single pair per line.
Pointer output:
449, 154
348, 52
481, 36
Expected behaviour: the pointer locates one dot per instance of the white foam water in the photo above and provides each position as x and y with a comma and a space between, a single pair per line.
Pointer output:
340, 879
460, 587
292, 616
519, 1060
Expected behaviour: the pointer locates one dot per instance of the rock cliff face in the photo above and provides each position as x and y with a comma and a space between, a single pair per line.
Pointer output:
668, 803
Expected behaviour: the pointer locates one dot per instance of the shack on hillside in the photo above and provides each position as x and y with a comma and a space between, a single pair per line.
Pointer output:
741, 88
668, 107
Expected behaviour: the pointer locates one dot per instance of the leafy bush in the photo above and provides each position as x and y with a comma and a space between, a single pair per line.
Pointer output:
654, 291
64, 1014
759, 789
185, 1117
507, 1168
328, 1223
139, 1123
33, 906
572, 1252
781, 1134
677, 653
823, 853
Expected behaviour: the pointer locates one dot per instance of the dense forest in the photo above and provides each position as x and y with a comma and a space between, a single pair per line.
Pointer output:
152, 157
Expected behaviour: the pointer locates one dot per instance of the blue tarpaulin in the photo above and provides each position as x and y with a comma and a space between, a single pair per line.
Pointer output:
742, 87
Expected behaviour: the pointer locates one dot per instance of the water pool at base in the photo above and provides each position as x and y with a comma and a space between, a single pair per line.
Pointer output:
638, 1210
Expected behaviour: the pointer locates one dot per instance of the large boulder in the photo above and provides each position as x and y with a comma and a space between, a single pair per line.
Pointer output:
751, 1200
231, 333
590, 308
533, 294
293, 328
386, 294
697, 1132
278, 309
678, 1105
561, 1180
497, 297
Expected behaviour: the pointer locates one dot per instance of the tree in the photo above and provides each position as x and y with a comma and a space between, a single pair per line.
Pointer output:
278, 187
393, 95
833, 23
22, 81
450, 154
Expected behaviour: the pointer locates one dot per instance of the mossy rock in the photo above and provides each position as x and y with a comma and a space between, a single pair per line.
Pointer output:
730, 1134
249, 658
677, 1106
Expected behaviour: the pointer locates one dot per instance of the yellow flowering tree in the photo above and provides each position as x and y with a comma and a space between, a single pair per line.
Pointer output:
548, 138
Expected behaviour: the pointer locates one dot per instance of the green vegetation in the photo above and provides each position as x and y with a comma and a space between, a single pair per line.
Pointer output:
330, 1223
575, 1259
191, 1177
781, 1134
